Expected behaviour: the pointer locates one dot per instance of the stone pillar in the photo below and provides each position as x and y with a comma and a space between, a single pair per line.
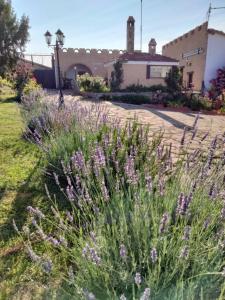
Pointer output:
130, 34
152, 47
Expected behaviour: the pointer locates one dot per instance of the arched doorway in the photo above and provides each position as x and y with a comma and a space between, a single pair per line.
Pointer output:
77, 69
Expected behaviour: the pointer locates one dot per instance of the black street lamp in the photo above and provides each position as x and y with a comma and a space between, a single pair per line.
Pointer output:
58, 44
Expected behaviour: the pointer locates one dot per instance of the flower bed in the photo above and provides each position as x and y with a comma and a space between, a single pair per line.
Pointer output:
123, 220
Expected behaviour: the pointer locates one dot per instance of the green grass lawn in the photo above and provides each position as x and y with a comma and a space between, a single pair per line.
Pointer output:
19, 187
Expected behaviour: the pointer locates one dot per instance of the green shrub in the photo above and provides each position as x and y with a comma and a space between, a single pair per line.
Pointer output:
136, 88
173, 79
89, 83
6, 83
31, 86
116, 76
132, 99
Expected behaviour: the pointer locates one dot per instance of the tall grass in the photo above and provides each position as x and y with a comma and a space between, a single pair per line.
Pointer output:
126, 221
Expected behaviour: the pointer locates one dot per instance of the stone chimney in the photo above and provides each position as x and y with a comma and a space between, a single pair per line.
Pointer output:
152, 47
130, 34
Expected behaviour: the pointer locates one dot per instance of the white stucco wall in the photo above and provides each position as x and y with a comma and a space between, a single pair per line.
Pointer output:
215, 57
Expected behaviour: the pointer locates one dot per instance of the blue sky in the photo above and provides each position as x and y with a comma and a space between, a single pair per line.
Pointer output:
102, 23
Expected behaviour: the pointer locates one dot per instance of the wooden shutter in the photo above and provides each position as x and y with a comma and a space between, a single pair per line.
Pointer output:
148, 72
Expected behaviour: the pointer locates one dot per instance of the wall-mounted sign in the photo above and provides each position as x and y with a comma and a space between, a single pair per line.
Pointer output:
192, 52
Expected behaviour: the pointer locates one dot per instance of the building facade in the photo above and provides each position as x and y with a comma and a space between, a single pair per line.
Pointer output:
140, 68
200, 53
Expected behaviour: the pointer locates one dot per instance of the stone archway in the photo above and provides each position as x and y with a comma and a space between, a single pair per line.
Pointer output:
77, 69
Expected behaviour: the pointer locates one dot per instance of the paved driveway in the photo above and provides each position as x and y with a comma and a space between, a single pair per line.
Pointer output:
171, 123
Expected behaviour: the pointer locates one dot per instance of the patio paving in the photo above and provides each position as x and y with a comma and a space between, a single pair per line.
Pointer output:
170, 122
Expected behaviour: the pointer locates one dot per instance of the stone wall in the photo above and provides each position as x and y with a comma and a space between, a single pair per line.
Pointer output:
92, 59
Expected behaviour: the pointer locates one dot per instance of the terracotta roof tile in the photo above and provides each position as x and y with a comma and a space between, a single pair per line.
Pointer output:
140, 56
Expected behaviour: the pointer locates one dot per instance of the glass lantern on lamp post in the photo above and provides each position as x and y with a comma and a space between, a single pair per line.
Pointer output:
58, 45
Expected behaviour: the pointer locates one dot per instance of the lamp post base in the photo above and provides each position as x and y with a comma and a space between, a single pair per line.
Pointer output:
61, 101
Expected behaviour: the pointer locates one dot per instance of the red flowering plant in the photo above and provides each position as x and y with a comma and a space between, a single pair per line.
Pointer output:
217, 90
22, 74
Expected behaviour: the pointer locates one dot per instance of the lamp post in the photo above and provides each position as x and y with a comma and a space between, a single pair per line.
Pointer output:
58, 44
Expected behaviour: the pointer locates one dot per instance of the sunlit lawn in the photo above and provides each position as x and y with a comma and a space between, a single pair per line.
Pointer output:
19, 187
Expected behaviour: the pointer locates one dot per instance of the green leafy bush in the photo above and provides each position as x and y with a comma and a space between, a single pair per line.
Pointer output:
140, 88
173, 79
132, 99
4, 82
30, 86
89, 83
116, 76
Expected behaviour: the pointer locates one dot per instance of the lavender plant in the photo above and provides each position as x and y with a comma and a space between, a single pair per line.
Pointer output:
135, 224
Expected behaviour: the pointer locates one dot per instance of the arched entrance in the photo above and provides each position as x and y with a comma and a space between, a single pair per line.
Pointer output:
77, 69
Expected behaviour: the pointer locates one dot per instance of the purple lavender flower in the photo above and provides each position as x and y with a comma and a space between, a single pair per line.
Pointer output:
54, 241
123, 251
105, 192
70, 193
91, 254
137, 278
69, 216
183, 204
63, 241
36, 211
99, 157
47, 266
187, 231
148, 180
94, 256
161, 186
206, 223
33, 256
130, 171
205, 136
196, 121
154, 255
183, 136
146, 294
78, 161
184, 252
163, 223
223, 212
212, 191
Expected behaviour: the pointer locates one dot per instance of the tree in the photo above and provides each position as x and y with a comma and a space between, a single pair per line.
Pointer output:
173, 79
117, 76
13, 36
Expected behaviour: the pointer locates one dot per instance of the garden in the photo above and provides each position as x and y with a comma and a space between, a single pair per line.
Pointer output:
170, 96
94, 210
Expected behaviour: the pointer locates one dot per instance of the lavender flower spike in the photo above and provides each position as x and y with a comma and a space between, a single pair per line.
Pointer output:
184, 252
146, 294
187, 231
137, 278
164, 221
154, 255
123, 251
